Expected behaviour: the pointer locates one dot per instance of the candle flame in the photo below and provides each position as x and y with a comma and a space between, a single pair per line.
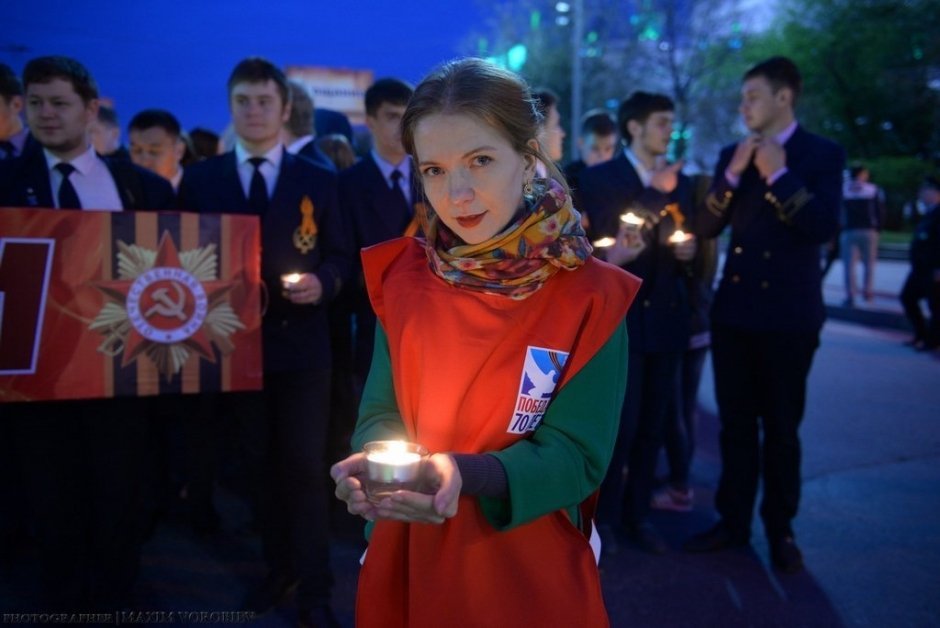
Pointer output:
604, 243
631, 219
291, 278
678, 237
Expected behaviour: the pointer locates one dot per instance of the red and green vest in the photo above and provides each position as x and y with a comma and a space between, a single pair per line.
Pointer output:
474, 373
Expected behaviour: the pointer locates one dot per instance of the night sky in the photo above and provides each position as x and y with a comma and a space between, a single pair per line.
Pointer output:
177, 55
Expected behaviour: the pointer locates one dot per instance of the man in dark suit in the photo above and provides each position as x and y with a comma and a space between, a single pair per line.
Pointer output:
597, 143
157, 144
105, 134
299, 138
378, 197
302, 236
14, 135
780, 190
82, 458
639, 181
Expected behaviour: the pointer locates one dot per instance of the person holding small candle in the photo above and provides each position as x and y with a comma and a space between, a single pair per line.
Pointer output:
501, 349
305, 259
642, 202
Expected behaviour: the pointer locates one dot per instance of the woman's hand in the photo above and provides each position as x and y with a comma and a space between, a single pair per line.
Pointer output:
439, 474
348, 475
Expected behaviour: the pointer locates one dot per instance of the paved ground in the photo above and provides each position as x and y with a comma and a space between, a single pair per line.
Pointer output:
868, 523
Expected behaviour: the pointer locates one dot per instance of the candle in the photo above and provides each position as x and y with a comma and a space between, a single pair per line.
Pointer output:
604, 243
392, 465
290, 280
679, 236
632, 219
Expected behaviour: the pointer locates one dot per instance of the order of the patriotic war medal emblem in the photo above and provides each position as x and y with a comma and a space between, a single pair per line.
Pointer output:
305, 235
166, 305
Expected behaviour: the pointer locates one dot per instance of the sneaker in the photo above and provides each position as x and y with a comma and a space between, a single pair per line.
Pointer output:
670, 498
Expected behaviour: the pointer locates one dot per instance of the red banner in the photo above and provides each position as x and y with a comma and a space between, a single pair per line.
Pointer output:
105, 304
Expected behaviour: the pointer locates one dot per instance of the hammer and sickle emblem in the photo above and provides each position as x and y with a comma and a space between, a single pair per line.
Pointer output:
165, 306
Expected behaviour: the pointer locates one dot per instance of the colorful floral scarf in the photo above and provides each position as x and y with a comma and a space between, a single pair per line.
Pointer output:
546, 237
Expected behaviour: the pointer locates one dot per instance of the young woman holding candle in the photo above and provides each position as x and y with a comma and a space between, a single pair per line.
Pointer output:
501, 349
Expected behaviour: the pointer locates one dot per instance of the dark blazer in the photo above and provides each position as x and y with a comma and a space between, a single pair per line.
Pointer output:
371, 205
296, 337
572, 174
771, 279
659, 318
311, 151
374, 214
24, 182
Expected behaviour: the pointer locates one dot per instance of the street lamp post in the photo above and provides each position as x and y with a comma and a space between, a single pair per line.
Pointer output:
577, 36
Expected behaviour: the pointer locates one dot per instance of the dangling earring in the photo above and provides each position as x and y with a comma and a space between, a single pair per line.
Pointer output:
527, 189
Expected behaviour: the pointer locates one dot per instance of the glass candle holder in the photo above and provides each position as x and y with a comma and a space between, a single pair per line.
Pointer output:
392, 465
289, 281
632, 221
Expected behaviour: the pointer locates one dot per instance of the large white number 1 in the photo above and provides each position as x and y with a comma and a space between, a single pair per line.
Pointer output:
25, 267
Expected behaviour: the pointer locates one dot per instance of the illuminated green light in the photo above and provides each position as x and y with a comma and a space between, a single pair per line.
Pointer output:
516, 57
535, 20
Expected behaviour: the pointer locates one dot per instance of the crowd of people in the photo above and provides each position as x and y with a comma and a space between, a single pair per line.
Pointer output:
483, 265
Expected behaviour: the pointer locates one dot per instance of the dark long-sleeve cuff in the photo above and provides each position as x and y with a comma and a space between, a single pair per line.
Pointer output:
483, 475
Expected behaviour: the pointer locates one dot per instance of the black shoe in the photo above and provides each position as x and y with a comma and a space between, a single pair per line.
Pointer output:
648, 538
317, 617
275, 589
716, 538
785, 555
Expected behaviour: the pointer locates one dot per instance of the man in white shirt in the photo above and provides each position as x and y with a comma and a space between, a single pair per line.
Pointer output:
299, 134
81, 458
14, 135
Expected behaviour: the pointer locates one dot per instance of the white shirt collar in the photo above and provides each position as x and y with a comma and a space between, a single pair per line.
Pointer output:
294, 147
177, 178
404, 167
645, 175
787, 133
273, 156
84, 163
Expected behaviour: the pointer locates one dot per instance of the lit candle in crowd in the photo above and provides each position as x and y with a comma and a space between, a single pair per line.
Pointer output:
678, 237
605, 242
290, 280
632, 219
391, 465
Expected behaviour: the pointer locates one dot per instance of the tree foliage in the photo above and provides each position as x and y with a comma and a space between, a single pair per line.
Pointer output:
867, 66
687, 49
871, 67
